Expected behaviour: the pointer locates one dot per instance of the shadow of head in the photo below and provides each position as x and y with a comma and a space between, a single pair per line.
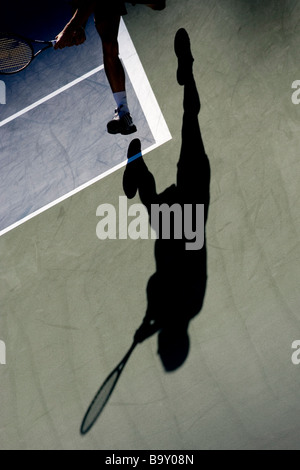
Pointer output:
173, 347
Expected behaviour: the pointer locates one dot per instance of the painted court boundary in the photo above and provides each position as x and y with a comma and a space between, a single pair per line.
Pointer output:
145, 95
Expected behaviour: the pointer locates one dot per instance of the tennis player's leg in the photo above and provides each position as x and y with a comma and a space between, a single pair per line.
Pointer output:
158, 5
155, 5
193, 175
108, 29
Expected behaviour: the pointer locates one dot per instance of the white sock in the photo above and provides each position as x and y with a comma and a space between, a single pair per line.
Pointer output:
121, 100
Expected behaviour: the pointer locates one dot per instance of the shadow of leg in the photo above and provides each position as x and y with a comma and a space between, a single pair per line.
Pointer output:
137, 177
177, 289
193, 182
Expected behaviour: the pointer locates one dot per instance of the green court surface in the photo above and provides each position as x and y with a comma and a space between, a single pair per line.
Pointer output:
70, 303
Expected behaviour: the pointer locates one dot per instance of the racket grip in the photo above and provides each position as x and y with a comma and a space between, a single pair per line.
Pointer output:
53, 42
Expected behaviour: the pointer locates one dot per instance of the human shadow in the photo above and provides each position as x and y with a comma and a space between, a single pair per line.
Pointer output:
177, 289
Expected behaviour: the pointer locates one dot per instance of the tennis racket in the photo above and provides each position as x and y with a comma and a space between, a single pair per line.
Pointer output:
104, 394
17, 52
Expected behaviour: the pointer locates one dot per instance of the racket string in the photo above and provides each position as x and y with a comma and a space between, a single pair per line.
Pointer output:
104, 394
100, 401
15, 55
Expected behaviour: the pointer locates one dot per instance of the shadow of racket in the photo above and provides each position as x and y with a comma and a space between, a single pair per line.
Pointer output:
103, 395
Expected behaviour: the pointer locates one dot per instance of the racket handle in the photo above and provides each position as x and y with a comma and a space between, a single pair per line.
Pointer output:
53, 42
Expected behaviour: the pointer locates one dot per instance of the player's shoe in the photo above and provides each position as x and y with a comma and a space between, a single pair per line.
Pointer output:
121, 125
184, 55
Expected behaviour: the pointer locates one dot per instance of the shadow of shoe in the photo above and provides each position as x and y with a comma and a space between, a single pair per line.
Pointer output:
184, 55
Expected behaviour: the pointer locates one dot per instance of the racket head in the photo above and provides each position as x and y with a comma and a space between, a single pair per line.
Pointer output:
99, 402
16, 53
103, 395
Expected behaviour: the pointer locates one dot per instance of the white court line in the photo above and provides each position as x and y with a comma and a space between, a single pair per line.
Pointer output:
146, 97
72, 193
143, 89
49, 97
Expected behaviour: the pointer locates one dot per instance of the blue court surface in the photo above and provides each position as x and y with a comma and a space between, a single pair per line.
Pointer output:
53, 137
